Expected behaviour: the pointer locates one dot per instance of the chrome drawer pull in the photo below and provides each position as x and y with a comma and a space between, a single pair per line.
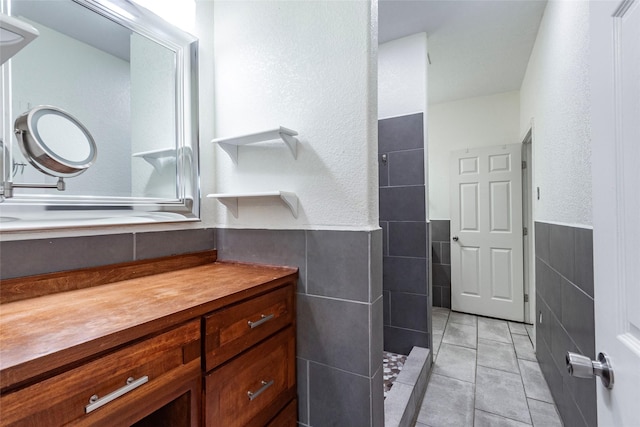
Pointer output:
95, 402
263, 318
265, 385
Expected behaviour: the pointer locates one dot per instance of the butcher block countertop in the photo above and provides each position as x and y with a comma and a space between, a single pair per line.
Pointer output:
43, 335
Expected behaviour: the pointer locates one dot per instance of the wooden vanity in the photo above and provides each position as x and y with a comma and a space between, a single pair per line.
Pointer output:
176, 341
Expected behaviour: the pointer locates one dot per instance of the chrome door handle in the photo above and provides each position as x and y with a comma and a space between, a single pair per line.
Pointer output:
263, 318
95, 402
583, 367
455, 238
265, 385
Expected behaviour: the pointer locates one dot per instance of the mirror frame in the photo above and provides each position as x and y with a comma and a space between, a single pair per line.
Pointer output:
49, 211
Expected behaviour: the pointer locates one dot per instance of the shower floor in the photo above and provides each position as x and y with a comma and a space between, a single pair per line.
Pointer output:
392, 364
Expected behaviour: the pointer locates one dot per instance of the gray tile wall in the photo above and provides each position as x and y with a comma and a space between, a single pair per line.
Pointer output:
441, 262
406, 237
28, 257
565, 318
339, 317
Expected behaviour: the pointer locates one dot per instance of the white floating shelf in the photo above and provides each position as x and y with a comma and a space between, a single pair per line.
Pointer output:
230, 145
158, 158
230, 200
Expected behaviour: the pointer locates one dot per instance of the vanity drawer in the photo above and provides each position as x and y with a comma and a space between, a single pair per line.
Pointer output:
127, 383
230, 331
288, 417
252, 389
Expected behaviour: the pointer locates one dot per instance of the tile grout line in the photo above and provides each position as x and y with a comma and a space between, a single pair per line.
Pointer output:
526, 399
505, 417
473, 409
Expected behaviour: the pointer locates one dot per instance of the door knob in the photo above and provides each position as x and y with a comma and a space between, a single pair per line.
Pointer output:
455, 238
583, 367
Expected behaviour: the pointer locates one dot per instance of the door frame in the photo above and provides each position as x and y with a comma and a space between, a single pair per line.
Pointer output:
528, 241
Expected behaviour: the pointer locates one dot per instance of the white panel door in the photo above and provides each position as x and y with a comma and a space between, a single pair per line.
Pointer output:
486, 232
615, 91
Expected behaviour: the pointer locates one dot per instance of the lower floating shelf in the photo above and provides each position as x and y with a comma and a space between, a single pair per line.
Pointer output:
158, 158
230, 200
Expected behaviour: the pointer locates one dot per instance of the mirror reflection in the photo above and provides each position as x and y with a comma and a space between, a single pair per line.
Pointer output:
119, 84
130, 79
64, 138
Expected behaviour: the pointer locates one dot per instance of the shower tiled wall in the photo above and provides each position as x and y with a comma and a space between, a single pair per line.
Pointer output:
441, 262
406, 235
565, 316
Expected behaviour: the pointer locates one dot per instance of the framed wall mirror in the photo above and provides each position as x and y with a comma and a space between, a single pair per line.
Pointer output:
130, 79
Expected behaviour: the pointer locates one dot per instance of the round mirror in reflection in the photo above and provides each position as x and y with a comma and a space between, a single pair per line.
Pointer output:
55, 142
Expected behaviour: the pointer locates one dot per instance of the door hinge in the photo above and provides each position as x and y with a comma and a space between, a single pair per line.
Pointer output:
524, 164
526, 297
525, 231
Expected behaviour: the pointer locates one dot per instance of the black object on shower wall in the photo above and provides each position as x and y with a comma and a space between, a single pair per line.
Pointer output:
405, 231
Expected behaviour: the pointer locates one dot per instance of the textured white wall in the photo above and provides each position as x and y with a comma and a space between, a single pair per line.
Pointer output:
473, 122
555, 94
402, 76
309, 66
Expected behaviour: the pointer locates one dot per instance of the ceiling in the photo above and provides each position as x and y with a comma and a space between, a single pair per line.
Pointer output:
77, 22
476, 47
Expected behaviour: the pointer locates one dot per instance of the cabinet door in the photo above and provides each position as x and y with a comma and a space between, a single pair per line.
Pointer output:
252, 388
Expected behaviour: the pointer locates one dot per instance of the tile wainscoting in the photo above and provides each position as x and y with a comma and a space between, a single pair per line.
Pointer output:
38, 256
565, 316
441, 262
406, 233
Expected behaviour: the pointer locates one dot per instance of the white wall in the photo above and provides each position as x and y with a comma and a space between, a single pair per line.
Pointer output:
206, 107
309, 66
403, 69
153, 100
468, 123
555, 94
61, 71
402, 76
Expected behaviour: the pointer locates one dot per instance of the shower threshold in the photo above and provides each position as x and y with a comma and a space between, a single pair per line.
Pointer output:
402, 401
